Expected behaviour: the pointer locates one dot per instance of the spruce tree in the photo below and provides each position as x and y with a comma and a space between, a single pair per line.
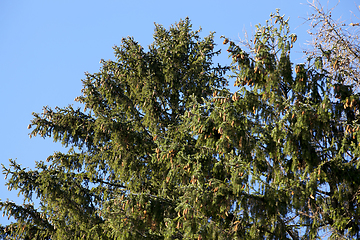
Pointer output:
287, 144
114, 180
164, 150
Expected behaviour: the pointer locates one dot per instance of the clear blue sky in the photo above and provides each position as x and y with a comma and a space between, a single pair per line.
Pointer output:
46, 46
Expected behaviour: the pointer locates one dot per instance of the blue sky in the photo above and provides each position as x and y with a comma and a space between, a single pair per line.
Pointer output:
46, 46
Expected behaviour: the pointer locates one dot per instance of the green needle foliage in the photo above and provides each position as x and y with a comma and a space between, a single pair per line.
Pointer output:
164, 150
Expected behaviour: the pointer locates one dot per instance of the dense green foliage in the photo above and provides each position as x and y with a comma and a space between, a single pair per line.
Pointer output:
164, 150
